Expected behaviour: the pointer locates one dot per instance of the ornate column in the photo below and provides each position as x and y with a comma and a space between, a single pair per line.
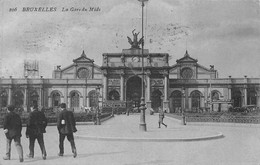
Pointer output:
245, 91
42, 93
229, 93
10, 92
40, 98
245, 95
229, 88
148, 102
9, 95
206, 98
258, 98
105, 85
49, 101
84, 97
122, 86
166, 100
183, 107
25, 99
68, 105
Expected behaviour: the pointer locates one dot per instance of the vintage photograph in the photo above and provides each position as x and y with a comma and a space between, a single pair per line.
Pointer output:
130, 82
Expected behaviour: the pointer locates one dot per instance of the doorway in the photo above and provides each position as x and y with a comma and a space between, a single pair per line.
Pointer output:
134, 91
156, 99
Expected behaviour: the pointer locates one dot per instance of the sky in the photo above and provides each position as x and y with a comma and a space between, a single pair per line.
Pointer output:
223, 33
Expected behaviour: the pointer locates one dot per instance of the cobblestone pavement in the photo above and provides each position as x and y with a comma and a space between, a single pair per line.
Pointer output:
240, 145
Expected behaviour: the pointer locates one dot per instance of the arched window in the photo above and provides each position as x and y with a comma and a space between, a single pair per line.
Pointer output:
176, 100
93, 98
113, 95
237, 98
215, 95
74, 99
34, 97
156, 99
195, 100
251, 98
56, 99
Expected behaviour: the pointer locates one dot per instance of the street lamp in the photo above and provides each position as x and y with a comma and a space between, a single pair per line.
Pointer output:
183, 107
97, 108
142, 125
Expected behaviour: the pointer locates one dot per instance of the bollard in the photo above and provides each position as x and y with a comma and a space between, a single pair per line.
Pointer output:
183, 119
98, 119
112, 112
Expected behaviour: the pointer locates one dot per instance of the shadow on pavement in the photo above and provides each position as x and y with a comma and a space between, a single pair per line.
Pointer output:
69, 155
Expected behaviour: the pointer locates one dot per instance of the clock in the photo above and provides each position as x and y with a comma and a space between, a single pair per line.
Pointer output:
83, 73
186, 73
135, 59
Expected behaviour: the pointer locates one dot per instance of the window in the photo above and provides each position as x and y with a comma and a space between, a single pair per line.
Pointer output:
195, 100
55, 99
74, 99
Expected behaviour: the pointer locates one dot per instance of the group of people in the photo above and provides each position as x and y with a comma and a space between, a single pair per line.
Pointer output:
36, 127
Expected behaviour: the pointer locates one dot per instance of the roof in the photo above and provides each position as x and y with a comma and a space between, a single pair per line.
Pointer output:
83, 58
187, 59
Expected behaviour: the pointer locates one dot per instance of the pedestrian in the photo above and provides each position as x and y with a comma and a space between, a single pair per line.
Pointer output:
66, 126
161, 116
36, 127
12, 129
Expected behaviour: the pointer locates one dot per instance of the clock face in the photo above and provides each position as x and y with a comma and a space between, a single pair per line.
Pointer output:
83, 73
186, 73
135, 59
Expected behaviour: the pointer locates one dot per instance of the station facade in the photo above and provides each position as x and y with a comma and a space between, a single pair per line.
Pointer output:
184, 85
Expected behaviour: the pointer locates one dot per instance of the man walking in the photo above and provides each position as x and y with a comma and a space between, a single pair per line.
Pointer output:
12, 129
66, 126
161, 117
36, 126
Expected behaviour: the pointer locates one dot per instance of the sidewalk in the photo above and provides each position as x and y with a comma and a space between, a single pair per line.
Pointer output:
126, 128
240, 145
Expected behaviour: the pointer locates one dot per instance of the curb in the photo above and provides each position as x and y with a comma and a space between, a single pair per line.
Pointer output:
218, 136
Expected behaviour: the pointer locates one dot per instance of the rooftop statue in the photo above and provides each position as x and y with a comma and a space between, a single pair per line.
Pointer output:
135, 43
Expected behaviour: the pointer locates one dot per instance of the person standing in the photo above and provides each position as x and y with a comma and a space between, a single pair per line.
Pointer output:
161, 117
12, 129
66, 126
36, 127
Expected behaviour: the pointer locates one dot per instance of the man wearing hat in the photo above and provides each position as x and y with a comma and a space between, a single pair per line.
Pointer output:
12, 129
36, 126
66, 126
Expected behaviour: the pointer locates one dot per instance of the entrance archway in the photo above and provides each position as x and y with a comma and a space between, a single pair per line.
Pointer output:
33, 98
156, 99
134, 90
176, 101
252, 98
195, 100
237, 97
74, 100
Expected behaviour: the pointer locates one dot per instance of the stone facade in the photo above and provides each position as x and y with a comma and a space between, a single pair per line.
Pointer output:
185, 85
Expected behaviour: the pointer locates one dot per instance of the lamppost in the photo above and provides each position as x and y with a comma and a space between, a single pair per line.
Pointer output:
142, 125
183, 107
97, 108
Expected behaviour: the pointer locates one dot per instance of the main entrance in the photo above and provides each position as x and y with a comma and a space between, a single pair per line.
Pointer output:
134, 90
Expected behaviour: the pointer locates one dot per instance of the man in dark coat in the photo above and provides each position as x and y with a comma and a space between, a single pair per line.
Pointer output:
36, 126
66, 126
12, 129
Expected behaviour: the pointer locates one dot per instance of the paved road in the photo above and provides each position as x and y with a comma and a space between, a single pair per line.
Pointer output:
240, 146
